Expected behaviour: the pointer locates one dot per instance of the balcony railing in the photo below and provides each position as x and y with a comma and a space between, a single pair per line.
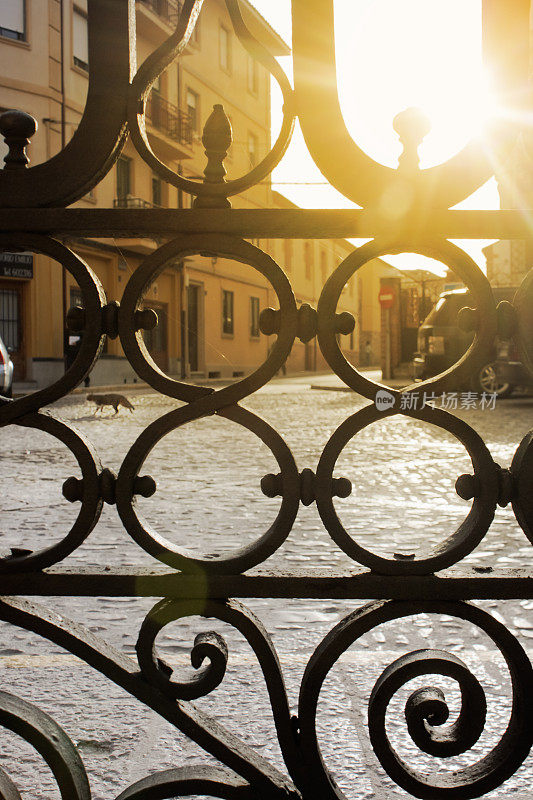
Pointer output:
131, 202
168, 10
168, 118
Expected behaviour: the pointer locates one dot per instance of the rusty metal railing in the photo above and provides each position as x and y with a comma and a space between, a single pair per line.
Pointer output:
431, 581
168, 10
170, 119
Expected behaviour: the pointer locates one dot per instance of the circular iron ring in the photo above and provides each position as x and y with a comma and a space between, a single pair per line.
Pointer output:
456, 259
223, 247
94, 300
245, 557
91, 502
460, 543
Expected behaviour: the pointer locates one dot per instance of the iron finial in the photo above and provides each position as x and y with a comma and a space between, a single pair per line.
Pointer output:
216, 138
17, 128
412, 125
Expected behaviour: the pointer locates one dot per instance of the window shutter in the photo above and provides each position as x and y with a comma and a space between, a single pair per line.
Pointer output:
12, 15
80, 47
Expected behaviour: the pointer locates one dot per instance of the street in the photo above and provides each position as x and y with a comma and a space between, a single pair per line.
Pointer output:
208, 499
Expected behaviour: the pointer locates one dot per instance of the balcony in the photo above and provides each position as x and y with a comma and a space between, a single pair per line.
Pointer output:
168, 10
131, 202
168, 127
143, 246
156, 17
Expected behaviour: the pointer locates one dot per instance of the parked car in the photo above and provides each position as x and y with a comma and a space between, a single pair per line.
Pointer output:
441, 343
6, 371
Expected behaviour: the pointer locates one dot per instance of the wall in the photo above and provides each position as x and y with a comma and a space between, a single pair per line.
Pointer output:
32, 81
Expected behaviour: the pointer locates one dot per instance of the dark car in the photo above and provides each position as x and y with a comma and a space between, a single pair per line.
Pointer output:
441, 343
6, 371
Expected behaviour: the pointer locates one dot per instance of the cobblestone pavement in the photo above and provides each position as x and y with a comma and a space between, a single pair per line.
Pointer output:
208, 497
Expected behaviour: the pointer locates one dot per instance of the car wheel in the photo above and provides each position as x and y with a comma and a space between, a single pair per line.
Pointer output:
489, 382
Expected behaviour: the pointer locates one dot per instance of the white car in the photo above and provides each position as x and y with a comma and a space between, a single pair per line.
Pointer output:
6, 371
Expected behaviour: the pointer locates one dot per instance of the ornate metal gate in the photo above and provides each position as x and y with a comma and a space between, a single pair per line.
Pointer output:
33, 217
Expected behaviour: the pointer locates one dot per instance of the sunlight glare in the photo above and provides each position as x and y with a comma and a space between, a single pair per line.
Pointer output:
424, 53
392, 55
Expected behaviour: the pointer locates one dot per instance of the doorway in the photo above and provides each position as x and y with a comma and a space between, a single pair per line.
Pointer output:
12, 325
309, 356
193, 324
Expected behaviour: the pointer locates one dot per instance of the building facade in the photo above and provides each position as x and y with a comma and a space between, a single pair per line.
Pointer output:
207, 307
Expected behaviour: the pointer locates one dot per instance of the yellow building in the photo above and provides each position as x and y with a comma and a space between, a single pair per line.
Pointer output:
208, 307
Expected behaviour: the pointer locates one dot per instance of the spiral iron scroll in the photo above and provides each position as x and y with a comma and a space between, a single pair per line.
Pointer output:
426, 710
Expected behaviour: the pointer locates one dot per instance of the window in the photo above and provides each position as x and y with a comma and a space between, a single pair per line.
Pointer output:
184, 199
253, 82
123, 177
229, 152
254, 317
10, 327
12, 14
287, 247
80, 42
193, 109
4, 149
195, 35
224, 48
156, 338
324, 265
252, 149
227, 312
308, 260
76, 297
157, 191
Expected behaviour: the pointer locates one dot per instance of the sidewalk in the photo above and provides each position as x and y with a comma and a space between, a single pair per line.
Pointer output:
331, 382
316, 380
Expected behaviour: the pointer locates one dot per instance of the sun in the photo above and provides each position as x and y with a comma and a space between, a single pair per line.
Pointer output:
393, 55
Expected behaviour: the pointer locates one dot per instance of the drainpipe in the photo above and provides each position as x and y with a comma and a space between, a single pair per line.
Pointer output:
63, 113
63, 142
185, 371
184, 323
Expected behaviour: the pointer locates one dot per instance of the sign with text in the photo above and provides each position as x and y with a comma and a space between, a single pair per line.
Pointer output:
16, 265
386, 296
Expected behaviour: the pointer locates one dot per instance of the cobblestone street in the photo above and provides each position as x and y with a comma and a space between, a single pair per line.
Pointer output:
208, 499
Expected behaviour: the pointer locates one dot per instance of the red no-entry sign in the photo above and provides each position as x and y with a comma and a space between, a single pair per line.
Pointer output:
386, 296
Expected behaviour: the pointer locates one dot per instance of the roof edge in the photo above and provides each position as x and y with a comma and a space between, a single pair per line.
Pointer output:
265, 32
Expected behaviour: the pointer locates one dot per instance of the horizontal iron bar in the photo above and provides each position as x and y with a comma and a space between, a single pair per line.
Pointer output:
458, 583
268, 223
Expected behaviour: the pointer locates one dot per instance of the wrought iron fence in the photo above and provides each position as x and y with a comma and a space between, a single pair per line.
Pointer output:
431, 581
